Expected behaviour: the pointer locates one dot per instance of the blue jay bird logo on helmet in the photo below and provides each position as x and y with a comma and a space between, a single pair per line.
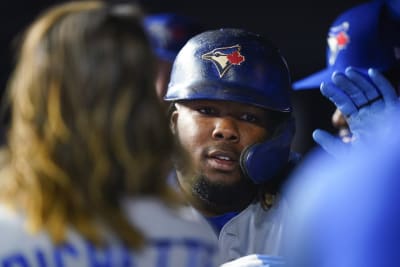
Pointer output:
224, 57
338, 39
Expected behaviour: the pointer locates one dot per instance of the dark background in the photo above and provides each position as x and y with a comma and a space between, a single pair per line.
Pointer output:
299, 28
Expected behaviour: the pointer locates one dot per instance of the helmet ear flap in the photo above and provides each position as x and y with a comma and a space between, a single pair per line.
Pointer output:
261, 162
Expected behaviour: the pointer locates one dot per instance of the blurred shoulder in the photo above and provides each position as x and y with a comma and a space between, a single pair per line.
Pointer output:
157, 219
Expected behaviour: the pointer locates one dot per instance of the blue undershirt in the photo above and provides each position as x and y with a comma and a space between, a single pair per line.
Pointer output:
217, 222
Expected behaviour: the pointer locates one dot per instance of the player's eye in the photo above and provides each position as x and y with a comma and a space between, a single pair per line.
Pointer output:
248, 117
207, 110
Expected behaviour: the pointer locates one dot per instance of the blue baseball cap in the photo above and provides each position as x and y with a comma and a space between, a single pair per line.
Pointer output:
168, 33
360, 37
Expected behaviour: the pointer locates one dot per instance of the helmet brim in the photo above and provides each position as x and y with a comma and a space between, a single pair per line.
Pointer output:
224, 92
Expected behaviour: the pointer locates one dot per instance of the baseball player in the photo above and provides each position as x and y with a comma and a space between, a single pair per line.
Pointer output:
83, 178
168, 32
365, 36
230, 109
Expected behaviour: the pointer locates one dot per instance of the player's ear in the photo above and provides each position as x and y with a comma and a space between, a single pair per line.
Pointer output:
174, 119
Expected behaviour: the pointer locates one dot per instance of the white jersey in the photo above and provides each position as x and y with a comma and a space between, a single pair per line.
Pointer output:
173, 242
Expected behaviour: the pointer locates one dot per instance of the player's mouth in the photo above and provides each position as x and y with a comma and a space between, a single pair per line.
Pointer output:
222, 160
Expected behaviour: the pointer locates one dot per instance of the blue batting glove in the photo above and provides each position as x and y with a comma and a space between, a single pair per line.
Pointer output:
256, 260
363, 101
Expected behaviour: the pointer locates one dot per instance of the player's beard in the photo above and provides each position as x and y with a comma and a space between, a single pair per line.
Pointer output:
218, 198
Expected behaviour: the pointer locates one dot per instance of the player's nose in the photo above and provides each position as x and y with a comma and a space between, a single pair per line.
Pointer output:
226, 129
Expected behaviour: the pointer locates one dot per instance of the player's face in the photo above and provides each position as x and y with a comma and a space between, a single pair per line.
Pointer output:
214, 133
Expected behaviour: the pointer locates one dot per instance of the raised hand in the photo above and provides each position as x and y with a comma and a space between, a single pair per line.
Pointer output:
364, 101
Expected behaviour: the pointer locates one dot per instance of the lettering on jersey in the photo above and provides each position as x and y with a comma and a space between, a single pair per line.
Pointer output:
162, 253
338, 39
193, 248
16, 260
63, 254
41, 258
98, 257
224, 58
163, 247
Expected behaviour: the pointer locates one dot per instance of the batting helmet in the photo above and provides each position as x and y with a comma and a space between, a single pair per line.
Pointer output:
236, 65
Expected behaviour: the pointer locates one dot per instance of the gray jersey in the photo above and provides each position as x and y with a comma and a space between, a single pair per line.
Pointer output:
172, 241
252, 231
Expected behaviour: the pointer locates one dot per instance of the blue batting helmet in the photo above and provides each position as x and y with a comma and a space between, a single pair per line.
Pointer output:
231, 64
362, 37
236, 65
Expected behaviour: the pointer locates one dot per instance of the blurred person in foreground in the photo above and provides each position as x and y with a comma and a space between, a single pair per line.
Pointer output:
345, 209
83, 177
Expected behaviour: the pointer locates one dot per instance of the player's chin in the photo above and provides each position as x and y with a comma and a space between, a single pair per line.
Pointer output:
220, 193
223, 178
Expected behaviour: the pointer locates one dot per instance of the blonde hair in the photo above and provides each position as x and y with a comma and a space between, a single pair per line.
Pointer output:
87, 128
